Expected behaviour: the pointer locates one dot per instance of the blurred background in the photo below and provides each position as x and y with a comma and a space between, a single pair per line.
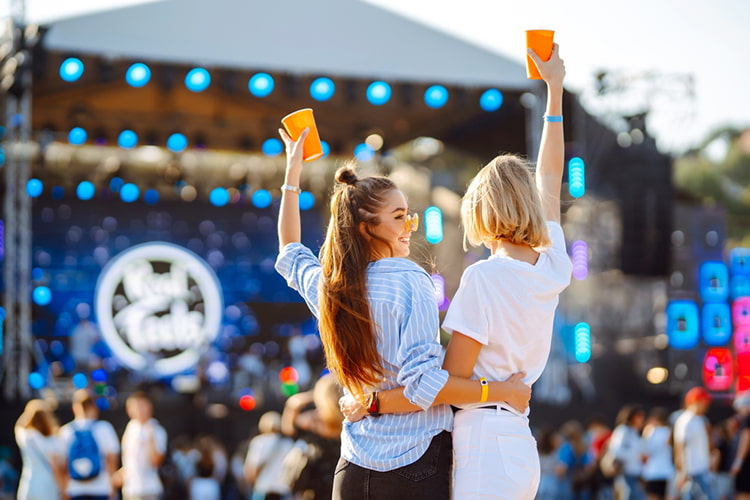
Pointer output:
141, 165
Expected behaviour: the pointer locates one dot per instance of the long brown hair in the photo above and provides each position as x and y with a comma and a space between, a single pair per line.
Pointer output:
37, 415
346, 328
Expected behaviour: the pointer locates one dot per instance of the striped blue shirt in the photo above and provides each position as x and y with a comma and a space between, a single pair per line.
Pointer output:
402, 303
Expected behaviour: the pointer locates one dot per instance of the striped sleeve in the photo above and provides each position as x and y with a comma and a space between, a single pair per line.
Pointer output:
301, 269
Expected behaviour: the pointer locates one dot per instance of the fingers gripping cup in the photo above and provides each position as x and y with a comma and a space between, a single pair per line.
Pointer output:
540, 41
295, 123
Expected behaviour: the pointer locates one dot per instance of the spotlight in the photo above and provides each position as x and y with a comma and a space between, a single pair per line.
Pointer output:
42, 295
151, 196
34, 188
576, 177
582, 341
197, 80
262, 199
177, 143
272, 147
491, 100
71, 69
77, 136
85, 190
219, 197
378, 93
260, 84
363, 152
433, 225
436, 96
326, 148
138, 75
129, 192
306, 200
127, 139
322, 89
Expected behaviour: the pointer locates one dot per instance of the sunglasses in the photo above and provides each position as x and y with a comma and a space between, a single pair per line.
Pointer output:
411, 222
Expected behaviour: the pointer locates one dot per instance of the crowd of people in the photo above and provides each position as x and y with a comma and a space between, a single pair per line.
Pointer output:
293, 455
655, 454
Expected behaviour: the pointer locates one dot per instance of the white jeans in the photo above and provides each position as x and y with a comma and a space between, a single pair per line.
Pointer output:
495, 456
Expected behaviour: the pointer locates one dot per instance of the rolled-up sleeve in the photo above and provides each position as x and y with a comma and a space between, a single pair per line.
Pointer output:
420, 354
301, 269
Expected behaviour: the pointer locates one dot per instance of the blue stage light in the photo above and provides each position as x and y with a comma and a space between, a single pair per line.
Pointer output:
71, 69
129, 192
363, 152
34, 187
41, 295
378, 93
85, 190
99, 376
272, 147
219, 197
682, 324
306, 200
115, 184
576, 177
436, 96
739, 286
491, 100
37, 274
151, 196
197, 80
127, 139
582, 342
177, 143
102, 403
713, 279
36, 380
716, 324
262, 199
58, 192
326, 148
138, 75
2, 156
433, 225
322, 89
77, 136
80, 381
739, 261
261, 84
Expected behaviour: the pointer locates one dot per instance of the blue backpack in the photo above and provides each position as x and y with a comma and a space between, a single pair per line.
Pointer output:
84, 460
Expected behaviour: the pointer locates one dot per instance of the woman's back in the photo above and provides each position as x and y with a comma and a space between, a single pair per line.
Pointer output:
509, 306
37, 451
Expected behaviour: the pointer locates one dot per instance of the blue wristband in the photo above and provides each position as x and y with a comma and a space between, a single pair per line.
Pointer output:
552, 118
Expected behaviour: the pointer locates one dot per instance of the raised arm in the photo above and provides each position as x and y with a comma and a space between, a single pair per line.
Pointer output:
551, 160
289, 219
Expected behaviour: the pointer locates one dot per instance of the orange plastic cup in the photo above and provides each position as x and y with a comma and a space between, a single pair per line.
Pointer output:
295, 123
540, 41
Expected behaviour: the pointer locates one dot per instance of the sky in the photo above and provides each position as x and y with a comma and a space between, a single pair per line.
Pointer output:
680, 60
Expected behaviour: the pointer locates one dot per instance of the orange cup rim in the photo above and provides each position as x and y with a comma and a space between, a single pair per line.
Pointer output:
540, 31
296, 112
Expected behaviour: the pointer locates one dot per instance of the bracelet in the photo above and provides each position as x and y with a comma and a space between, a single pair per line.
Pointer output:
553, 118
374, 407
293, 189
485, 389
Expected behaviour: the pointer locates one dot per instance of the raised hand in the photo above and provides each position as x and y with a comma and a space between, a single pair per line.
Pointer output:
553, 70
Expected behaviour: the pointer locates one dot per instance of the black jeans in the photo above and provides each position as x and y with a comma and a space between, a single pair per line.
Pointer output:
430, 477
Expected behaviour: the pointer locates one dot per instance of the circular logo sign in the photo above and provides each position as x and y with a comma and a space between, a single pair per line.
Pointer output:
158, 306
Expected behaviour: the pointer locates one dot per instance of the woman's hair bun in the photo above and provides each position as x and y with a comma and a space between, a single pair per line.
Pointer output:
346, 175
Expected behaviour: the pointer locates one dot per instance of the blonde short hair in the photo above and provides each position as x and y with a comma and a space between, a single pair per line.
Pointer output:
502, 203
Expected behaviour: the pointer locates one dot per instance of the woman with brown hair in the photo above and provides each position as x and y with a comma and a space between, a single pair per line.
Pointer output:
36, 436
378, 322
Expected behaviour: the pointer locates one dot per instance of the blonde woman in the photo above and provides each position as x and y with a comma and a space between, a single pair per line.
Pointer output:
502, 314
36, 435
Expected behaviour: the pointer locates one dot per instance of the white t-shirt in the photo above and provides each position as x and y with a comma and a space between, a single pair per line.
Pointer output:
140, 477
658, 450
268, 451
205, 488
108, 443
690, 431
625, 443
37, 451
508, 306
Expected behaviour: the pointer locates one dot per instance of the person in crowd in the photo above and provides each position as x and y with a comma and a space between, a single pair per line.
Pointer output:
144, 445
692, 447
36, 435
548, 446
8, 474
741, 463
598, 433
264, 464
502, 315
91, 451
239, 490
575, 467
209, 444
625, 445
724, 451
378, 321
204, 486
314, 418
656, 446
184, 457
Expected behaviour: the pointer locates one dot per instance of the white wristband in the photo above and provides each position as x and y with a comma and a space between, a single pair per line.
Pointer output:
293, 189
